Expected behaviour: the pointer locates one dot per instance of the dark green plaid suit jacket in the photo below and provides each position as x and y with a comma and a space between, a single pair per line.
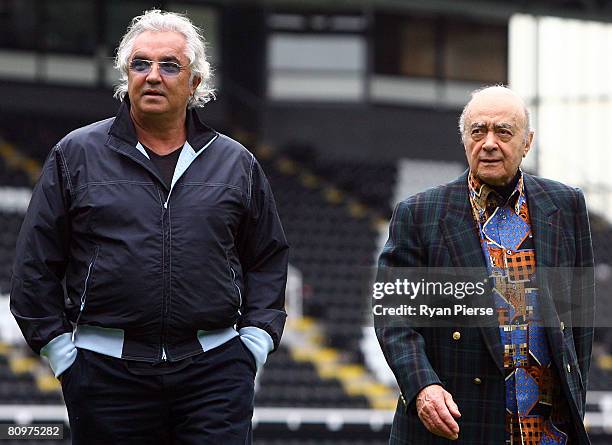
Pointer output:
436, 229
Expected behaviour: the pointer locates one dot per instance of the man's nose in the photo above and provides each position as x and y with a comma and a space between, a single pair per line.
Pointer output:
490, 142
154, 76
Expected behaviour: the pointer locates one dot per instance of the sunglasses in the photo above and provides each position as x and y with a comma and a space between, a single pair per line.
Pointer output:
143, 66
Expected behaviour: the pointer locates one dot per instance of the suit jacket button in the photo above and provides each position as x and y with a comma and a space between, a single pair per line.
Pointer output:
477, 381
562, 326
456, 335
569, 368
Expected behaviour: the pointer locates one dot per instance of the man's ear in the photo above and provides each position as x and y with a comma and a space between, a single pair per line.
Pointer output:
194, 83
528, 143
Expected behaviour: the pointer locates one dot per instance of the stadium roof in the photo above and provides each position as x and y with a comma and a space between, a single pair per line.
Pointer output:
600, 10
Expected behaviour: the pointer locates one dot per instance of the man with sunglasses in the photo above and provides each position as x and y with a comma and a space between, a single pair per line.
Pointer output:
151, 264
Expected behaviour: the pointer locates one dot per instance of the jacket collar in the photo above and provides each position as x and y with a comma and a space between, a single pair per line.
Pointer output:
461, 231
123, 140
481, 193
123, 127
198, 133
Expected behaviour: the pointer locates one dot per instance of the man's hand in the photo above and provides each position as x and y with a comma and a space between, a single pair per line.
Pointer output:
436, 410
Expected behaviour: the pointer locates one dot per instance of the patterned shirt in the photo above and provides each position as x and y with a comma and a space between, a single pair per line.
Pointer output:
536, 413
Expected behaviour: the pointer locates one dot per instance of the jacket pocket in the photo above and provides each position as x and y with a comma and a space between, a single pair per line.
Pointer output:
234, 281
88, 277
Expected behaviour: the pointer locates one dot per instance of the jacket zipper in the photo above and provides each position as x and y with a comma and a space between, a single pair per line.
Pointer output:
164, 356
165, 203
84, 293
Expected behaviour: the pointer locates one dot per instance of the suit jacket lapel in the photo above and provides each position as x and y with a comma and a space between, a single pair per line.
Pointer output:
547, 235
461, 235
544, 216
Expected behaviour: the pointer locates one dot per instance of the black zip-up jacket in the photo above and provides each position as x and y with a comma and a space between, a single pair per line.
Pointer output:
210, 256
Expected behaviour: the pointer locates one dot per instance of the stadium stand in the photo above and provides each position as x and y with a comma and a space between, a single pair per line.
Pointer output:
371, 184
10, 223
331, 247
287, 383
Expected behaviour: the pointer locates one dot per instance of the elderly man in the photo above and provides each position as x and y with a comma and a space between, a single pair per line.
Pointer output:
523, 381
151, 265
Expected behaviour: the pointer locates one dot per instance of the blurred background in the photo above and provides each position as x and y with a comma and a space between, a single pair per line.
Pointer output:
350, 106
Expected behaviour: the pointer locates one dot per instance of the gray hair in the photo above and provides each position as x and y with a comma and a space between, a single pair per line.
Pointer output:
528, 128
156, 20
